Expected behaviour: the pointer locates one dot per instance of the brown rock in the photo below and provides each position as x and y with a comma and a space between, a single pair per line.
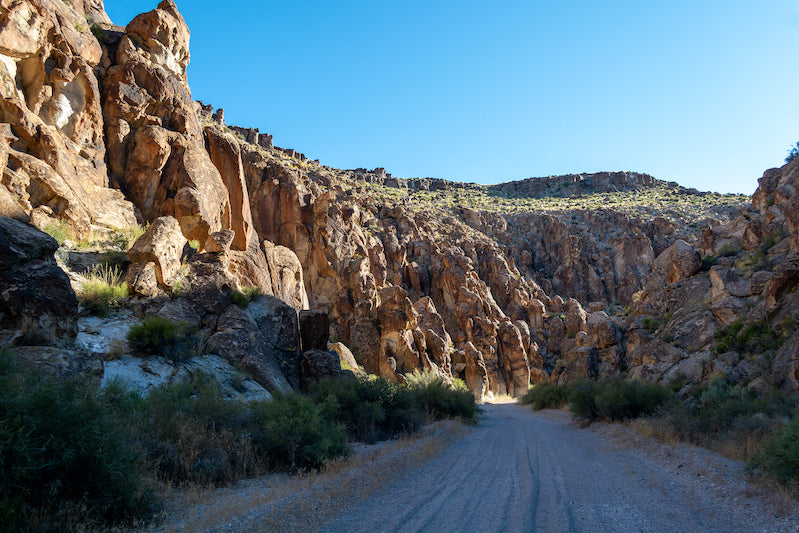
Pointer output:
785, 367
226, 156
265, 338
346, 359
10, 207
142, 279
314, 330
287, 275
163, 245
219, 242
676, 263
316, 365
37, 302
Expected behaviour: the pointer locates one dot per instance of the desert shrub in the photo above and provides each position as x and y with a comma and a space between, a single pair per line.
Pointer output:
727, 250
582, 399
59, 230
245, 296
64, 458
124, 238
102, 290
793, 153
157, 335
616, 399
619, 399
190, 433
732, 420
651, 323
440, 400
370, 409
545, 394
780, 455
753, 337
294, 435
708, 261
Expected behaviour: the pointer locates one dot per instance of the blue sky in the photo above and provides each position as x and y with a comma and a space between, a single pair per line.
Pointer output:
700, 92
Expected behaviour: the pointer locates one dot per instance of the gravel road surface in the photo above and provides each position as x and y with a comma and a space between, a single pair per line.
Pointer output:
523, 471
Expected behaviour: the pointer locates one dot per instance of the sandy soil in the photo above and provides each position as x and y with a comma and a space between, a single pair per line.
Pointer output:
515, 471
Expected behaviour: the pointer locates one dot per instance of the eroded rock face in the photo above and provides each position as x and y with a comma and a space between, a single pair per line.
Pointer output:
499, 300
155, 144
51, 147
37, 303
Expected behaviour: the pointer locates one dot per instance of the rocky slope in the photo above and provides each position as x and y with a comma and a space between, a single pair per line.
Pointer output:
501, 286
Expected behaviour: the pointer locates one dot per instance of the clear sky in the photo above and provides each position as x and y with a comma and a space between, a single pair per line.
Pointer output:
702, 92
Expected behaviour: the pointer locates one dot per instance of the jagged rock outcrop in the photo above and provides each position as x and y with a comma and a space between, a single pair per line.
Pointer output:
51, 140
104, 134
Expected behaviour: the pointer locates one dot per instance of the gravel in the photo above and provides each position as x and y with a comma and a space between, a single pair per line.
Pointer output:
516, 470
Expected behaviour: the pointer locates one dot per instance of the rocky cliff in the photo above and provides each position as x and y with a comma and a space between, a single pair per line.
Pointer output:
501, 286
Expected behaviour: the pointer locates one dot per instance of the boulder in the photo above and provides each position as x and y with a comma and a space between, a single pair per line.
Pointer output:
316, 365
162, 244
677, 262
37, 303
346, 359
314, 329
785, 367
264, 338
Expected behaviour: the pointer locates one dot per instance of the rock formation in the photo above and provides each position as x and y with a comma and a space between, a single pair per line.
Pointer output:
98, 129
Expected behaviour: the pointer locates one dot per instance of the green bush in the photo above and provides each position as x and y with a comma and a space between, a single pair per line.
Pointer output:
582, 400
245, 296
191, 434
294, 435
617, 399
793, 153
730, 419
753, 338
370, 409
545, 395
708, 261
780, 455
64, 456
102, 290
59, 230
439, 400
157, 335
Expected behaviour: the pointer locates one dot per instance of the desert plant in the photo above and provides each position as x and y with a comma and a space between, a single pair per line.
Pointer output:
616, 399
64, 457
59, 230
295, 436
157, 335
793, 153
780, 455
101, 290
371, 409
545, 394
245, 296
441, 400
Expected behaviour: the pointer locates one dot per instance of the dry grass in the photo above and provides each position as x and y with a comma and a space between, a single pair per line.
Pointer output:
101, 289
306, 502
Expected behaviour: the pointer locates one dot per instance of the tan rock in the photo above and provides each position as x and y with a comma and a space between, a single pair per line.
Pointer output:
287, 276
226, 156
346, 359
163, 245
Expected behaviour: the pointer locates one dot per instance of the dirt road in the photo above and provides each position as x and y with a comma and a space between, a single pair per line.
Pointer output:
523, 471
